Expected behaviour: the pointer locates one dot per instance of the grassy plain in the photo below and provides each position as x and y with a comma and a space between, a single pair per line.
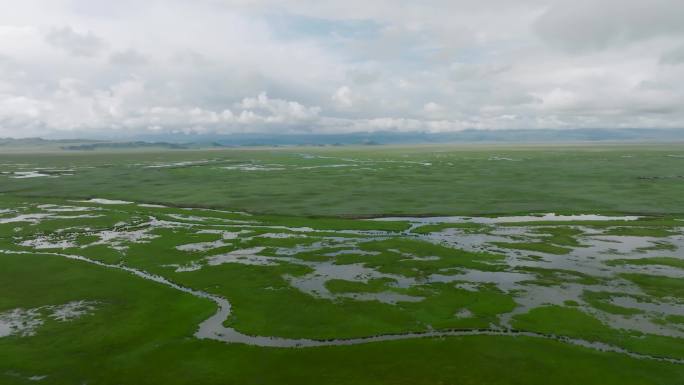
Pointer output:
303, 207
363, 181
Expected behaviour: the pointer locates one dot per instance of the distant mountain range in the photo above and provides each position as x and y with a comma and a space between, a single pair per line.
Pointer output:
92, 145
196, 141
466, 136
136, 145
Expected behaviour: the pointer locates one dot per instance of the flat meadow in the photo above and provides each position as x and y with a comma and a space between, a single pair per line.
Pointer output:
453, 264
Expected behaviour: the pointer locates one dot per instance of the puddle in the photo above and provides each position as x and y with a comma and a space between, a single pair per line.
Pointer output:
326, 166
652, 307
245, 256
26, 322
31, 218
193, 266
20, 322
213, 328
280, 235
314, 283
44, 243
565, 278
103, 201
351, 252
504, 280
549, 217
194, 218
504, 158
388, 297
72, 310
202, 246
59, 209
180, 164
29, 174
119, 240
467, 286
253, 167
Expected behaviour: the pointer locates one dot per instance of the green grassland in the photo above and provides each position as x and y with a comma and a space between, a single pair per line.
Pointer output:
141, 337
420, 180
280, 234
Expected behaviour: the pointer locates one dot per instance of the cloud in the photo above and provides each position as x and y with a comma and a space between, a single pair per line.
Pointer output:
278, 66
125, 108
476, 72
127, 58
343, 97
674, 56
75, 43
595, 25
262, 109
433, 109
364, 74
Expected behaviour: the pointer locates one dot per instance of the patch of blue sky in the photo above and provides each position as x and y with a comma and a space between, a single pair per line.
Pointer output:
289, 26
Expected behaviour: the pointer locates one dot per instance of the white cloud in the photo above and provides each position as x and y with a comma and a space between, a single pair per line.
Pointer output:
433, 109
127, 58
590, 24
343, 97
262, 109
476, 72
333, 66
75, 43
674, 56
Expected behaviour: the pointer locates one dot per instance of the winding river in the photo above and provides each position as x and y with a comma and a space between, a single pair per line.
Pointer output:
213, 328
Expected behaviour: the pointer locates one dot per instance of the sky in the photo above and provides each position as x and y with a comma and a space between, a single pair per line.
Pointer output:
132, 67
